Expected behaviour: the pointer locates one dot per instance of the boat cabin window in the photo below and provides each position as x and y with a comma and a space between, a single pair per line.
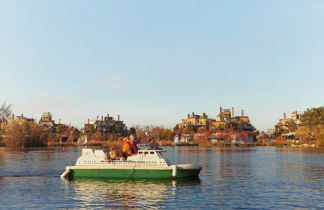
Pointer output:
146, 152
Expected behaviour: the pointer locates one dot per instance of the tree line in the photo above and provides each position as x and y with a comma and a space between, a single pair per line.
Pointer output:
26, 133
22, 133
311, 129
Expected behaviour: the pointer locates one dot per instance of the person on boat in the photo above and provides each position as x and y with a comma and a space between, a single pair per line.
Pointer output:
133, 143
153, 145
114, 154
129, 147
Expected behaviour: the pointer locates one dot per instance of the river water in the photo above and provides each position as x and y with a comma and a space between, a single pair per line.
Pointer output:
256, 177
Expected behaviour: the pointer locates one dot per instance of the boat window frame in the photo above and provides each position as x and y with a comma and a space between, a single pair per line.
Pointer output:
159, 155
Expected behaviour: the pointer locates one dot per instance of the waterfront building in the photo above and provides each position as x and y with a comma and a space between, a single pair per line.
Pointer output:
270, 132
218, 124
105, 125
184, 139
227, 119
46, 120
195, 120
63, 131
286, 127
20, 119
226, 126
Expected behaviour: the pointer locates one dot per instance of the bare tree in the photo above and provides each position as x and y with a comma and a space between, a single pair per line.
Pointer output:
5, 111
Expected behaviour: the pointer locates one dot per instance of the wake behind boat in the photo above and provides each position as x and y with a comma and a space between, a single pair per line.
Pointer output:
146, 164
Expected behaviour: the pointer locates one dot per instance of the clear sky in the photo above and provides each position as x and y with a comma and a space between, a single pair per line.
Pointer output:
153, 62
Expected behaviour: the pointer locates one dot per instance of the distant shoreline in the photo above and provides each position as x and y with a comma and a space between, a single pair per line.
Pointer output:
218, 144
109, 144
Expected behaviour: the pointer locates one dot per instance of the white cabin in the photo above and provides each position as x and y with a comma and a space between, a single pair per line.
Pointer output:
144, 157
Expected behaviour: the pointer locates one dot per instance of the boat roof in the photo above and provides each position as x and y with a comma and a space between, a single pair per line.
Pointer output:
151, 150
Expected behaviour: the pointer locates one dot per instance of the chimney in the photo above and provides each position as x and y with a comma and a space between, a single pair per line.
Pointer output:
118, 117
232, 112
285, 116
242, 112
101, 118
97, 117
188, 116
220, 109
88, 121
193, 114
205, 115
13, 116
22, 116
60, 121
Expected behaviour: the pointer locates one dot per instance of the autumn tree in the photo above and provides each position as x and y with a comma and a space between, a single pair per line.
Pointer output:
176, 128
190, 128
312, 126
147, 133
19, 134
5, 112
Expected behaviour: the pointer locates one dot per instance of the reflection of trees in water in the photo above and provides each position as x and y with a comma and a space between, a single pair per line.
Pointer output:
233, 164
1, 155
125, 193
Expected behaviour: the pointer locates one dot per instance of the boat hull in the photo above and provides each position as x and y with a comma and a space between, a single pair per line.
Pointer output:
134, 174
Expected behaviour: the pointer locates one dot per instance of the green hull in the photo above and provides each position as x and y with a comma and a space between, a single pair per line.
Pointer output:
134, 174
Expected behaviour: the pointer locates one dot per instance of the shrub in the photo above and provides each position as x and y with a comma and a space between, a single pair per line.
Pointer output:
25, 134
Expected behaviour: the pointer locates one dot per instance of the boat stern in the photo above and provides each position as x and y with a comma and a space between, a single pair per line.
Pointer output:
186, 170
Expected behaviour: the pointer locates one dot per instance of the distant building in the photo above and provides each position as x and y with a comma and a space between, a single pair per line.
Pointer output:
16, 119
270, 132
286, 127
195, 120
21, 118
184, 139
225, 119
105, 125
46, 120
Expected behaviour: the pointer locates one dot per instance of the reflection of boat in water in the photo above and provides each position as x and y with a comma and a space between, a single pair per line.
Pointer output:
117, 193
146, 164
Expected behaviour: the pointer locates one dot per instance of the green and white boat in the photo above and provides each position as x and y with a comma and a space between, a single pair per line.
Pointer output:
146, 164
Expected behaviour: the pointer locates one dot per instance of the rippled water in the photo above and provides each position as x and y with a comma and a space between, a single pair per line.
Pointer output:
259, 177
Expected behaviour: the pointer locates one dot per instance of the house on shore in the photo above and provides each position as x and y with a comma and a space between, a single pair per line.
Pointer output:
105, 125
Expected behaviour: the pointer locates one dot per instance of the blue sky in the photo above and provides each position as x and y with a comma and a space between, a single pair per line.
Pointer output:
153, 62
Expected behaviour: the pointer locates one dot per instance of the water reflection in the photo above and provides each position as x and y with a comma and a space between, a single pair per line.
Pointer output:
126, 193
